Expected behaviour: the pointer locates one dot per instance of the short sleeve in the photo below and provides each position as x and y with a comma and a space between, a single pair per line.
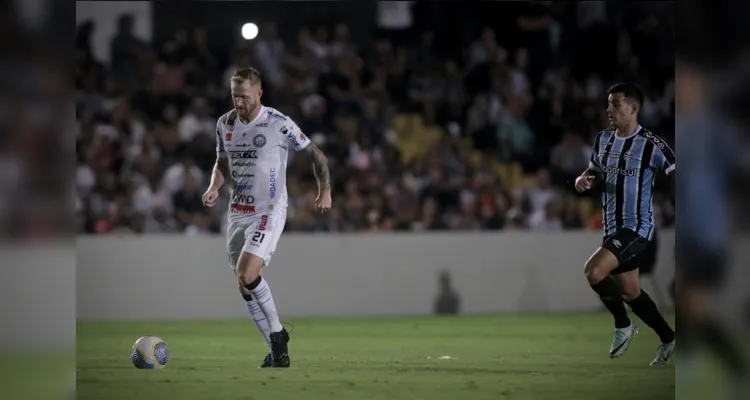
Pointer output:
664, 158
594, 160
220, 150
293, 134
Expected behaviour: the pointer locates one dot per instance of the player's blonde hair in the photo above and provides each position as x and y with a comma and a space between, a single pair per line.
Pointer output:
247, 74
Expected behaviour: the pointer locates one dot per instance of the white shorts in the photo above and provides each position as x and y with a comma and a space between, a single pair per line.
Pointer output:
257, 235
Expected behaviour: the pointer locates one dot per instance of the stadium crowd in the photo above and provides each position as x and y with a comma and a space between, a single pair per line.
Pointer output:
418, 140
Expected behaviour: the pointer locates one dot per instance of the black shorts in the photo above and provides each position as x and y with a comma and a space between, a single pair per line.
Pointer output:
631, 249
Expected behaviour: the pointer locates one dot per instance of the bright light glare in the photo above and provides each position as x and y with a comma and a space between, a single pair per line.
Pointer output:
249, 31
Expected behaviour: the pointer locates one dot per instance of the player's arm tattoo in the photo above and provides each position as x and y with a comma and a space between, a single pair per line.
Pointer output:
320, 166
220, 172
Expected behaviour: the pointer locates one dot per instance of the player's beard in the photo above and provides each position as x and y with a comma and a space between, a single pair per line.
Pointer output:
247, 111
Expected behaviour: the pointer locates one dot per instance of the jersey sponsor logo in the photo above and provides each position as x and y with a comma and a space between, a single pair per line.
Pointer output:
658, 142
243, 208
290, 136
241, 145
259, 140
243, 187
236, 175
239, 198
263, 223
240, 163
242, 203
244, 154
272, 182
276, 115
261, 125
621, 171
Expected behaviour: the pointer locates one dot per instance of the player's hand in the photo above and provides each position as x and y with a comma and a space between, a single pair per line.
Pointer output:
323, 202
584, 183
209, 198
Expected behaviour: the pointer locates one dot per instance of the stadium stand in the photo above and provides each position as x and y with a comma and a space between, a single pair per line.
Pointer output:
421, 137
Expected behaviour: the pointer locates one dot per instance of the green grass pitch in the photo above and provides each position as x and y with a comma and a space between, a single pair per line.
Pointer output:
525, 356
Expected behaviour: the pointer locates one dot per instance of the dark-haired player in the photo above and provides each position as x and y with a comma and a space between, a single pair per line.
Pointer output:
626, 159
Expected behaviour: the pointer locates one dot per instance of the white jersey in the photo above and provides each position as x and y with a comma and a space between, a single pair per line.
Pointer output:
257, 153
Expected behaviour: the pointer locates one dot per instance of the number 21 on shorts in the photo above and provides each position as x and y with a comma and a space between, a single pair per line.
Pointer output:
258, 237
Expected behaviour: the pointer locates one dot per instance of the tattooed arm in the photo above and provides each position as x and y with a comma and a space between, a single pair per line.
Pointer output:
220, 171
320, 167
322, 175
299, 141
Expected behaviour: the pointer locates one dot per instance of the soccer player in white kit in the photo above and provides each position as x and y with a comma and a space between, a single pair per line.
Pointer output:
253, 142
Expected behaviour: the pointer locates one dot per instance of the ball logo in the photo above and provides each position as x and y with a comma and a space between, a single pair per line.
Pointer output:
259, 140
272, 182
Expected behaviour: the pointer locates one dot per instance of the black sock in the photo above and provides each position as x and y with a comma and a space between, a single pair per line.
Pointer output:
247, 297
254, 284
609, 293
646, 310
719, 341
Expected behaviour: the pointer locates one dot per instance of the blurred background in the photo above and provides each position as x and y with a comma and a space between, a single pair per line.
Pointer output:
428, 125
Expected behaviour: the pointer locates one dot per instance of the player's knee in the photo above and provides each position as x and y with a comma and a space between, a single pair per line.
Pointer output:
248, 270
243, 290
629, 295
249, 279
594, 272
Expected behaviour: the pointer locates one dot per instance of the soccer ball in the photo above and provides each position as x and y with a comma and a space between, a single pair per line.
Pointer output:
150, 352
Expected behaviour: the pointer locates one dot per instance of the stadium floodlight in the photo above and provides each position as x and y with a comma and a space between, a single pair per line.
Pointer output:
249, 31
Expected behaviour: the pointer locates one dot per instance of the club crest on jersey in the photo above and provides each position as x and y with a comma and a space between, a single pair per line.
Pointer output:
228, 136
259, 140
628, 155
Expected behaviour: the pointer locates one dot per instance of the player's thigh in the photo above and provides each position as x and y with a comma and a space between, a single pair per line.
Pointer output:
599, 265
628, 248
235, 242
261, 239
615, 255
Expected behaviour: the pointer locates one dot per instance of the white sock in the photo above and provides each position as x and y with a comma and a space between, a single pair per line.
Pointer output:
262, 294
260, 321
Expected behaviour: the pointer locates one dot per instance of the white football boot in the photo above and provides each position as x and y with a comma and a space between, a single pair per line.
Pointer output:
663, 353
622, 339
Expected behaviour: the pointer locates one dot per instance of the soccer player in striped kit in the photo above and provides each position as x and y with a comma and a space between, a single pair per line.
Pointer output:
626, 159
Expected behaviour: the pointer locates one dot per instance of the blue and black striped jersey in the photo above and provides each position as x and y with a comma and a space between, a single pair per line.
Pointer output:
628, 166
